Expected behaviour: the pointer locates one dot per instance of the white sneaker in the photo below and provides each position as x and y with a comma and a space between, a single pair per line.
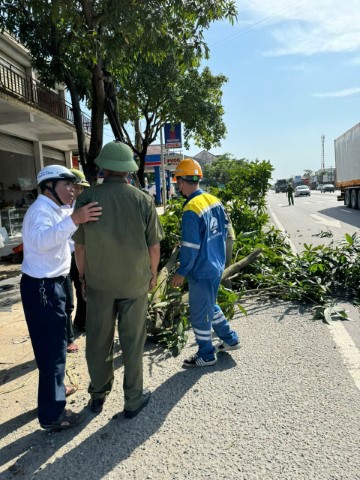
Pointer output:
224, 347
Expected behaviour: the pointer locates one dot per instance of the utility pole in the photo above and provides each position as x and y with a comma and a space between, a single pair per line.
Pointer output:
322, 152
162, 171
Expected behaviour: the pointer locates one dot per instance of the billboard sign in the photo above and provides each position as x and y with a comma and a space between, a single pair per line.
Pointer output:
153, 156
153, 150
172, 134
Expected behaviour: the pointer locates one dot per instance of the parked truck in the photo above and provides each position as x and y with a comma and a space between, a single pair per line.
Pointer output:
347, 162
281, 185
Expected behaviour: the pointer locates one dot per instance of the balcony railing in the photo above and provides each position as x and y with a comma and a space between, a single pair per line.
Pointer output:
28, 89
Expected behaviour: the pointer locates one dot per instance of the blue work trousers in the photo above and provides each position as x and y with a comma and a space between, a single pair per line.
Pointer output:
205, 313
44, 307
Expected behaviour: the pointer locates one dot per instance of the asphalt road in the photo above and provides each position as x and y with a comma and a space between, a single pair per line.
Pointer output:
303, 222
321, 212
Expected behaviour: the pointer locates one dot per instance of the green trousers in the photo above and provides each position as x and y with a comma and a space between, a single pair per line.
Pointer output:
101, 314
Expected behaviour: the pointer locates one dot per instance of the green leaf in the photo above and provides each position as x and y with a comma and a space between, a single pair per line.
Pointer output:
349, 239
327, 315
242, 310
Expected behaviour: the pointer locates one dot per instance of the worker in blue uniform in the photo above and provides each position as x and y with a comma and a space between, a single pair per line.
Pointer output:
202, 261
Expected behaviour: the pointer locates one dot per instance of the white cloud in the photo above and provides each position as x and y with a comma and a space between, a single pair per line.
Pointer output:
306, 27
303, 68
339, 93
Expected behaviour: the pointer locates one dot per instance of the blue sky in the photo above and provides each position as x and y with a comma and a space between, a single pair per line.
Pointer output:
293, 71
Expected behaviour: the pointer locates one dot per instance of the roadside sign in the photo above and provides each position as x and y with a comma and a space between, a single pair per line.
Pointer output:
172, 160
172, 134
153, 150
152, 160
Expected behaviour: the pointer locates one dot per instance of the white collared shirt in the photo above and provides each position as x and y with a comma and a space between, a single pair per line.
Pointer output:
46, 231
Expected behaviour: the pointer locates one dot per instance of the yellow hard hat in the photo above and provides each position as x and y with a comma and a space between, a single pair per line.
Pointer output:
80, 177
189, 169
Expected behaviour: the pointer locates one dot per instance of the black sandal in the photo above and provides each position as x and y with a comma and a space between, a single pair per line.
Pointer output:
69, 419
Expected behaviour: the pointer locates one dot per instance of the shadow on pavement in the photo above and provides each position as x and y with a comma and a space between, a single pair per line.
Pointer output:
338, 213
106, 448
12, 373
15, 423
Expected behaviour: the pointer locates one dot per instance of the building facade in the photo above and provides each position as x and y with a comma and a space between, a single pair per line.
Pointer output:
36, 126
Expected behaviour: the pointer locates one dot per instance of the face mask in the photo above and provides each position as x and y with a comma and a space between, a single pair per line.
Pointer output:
181, 193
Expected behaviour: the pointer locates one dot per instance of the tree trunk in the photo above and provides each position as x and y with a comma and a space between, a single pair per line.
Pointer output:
75, 101
236, 267
111, 107
97, 119
233, 269
156, 326
141, 171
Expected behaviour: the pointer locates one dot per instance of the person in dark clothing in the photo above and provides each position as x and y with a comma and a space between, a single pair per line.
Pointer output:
80, 314
290, 194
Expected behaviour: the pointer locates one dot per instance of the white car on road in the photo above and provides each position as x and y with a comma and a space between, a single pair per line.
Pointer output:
302, 190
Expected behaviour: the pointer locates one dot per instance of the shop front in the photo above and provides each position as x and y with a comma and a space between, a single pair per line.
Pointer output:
18, 172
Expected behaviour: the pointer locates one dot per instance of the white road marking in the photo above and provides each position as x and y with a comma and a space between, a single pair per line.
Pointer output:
347, 349
342, 339
282, 229
326, 221
346, 210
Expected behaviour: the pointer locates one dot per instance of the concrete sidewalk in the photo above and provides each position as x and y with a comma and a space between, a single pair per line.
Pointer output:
282, 407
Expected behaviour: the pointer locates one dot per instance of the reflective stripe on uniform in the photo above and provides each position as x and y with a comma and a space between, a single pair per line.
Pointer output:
218, 317
190, 245
202, 334
202, 204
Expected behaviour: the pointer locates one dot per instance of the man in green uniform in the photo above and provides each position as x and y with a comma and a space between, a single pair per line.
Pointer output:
290, 194
118, 261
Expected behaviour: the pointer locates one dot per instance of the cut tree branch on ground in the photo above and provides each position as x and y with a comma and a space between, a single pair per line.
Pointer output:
155, 325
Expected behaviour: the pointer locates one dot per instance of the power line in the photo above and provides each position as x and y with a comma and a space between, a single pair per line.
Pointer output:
262, 22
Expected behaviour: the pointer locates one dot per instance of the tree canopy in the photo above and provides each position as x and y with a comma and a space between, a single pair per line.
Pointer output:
244, 184
88, 43
151, 95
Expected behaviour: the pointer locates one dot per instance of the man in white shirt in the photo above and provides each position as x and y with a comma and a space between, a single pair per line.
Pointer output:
48, 225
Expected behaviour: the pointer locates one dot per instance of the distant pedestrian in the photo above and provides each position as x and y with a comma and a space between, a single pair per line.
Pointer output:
290, 194
202, 261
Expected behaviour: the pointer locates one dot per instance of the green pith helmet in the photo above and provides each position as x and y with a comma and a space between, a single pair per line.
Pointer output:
117, 157
80, 177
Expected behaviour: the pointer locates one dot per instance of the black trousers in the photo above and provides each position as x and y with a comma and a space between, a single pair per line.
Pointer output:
44, 307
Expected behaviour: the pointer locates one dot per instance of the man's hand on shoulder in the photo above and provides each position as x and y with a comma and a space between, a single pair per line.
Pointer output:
88, 213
